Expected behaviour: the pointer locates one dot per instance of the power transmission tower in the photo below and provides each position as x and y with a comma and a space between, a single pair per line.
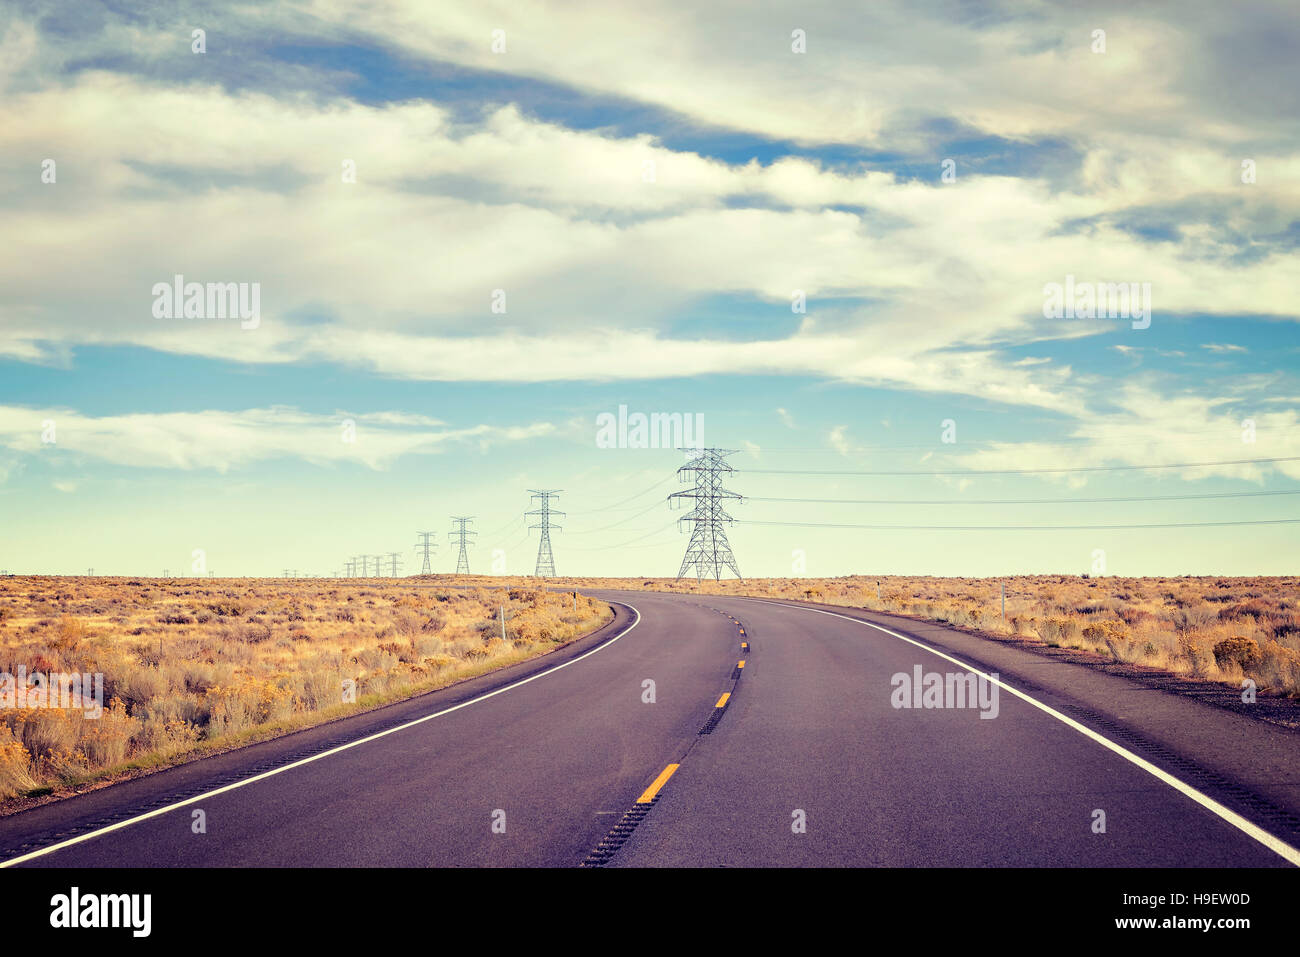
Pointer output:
426, 545
461, 533
365, 565
394, 559
379, 565
545, 560
350, 569
708, 549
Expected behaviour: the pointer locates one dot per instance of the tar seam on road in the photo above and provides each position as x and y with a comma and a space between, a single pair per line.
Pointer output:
1245, 825
316, 757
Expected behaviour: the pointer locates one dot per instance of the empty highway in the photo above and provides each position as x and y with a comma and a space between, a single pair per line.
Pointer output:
649, 744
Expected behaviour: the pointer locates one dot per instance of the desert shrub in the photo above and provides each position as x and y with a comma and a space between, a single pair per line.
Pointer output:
45, 732
104, 741
1237, 650
166, 736
319, 688
69, 634
140, 685
16, 774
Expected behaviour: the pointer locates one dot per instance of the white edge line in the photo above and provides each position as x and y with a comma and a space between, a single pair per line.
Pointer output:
1274, 844
316, 757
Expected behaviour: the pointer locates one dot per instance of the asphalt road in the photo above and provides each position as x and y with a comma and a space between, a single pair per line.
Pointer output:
808, 764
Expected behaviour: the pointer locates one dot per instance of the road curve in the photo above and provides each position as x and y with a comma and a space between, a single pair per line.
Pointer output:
806, 763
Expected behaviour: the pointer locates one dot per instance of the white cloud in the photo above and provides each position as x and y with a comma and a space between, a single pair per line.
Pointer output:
224, 440
1148, 428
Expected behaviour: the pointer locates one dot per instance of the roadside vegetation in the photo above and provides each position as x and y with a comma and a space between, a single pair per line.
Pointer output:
190, 666
1219, 629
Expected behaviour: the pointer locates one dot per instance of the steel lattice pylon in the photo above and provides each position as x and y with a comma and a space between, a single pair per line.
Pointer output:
545, 560
461, 533
427, 546
708, 550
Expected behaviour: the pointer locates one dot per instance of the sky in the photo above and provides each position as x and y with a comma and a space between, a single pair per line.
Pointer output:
826, 232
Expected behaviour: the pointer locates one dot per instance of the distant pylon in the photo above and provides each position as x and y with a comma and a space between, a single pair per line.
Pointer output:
545, 560
708, 550
365, 565
379, 565
426, 545
461, 533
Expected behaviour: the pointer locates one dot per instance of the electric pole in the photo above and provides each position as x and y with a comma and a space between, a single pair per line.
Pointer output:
708, 550
394, 559
461, 533
379, 565
545, 560
426, 545
365, 565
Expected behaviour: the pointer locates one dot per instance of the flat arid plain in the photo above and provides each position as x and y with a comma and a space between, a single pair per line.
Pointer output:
190, 666
194, 666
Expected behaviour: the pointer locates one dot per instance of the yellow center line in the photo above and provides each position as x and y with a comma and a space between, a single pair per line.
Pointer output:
723, 700
649, 794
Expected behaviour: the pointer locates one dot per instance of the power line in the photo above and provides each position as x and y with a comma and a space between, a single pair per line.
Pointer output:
607, 508
1023, 528
655, 531
1020, 501
976, 472
630, 518
510, 524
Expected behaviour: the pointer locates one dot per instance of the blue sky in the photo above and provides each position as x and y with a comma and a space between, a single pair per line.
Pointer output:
649, 190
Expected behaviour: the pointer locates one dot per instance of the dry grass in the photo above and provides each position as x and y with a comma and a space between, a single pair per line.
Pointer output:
1221, 629
192, 665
